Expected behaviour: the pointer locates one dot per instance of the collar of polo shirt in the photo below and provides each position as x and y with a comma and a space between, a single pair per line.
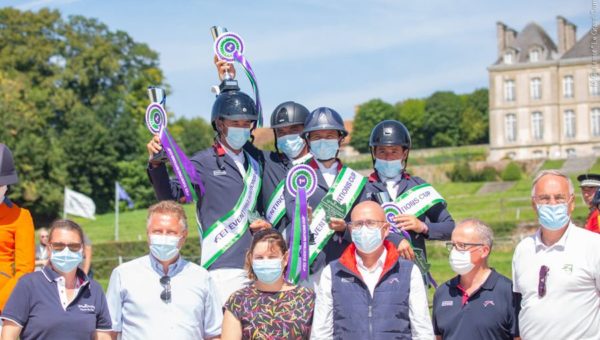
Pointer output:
51, 275
560, 244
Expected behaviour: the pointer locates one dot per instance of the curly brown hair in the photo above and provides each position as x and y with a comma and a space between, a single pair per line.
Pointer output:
274, 238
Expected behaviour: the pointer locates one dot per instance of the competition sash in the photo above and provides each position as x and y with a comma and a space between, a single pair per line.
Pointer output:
417, 200
222, 234
337, 203
276, 203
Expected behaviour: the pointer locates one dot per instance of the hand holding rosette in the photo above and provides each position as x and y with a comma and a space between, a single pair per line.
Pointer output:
156, 121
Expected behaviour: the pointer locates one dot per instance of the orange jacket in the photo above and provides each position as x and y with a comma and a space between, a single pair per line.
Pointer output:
592, 221
17, 247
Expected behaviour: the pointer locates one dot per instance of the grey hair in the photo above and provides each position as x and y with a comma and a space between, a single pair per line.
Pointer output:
168, 208
552, 172
484, 232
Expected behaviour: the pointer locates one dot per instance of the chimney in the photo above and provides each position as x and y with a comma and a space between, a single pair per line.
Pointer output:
567, 34
571, 36
501, 36
511, 36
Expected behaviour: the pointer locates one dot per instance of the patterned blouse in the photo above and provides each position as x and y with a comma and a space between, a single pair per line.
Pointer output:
273, 315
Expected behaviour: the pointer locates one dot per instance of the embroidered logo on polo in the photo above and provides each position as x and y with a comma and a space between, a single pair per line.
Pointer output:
568, 268
488, 303
87, 308
448, 303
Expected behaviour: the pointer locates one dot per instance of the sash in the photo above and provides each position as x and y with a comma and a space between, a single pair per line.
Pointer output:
222, 234
417, 200
276, 203
337, 203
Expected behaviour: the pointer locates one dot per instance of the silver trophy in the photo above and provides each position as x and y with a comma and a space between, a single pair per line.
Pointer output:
216, 32
159, 96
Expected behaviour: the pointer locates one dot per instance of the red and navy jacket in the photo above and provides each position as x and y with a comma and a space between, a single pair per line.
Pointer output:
357, 314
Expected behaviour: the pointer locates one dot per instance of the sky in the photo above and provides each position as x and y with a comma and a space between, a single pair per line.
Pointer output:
324, 53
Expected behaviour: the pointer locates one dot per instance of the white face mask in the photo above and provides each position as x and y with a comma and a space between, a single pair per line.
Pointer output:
3, 190
460, 261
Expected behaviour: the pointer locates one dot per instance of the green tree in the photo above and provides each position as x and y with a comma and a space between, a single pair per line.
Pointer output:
367, 116
474, 124
72, 102
192, 135
442, 119
411, 112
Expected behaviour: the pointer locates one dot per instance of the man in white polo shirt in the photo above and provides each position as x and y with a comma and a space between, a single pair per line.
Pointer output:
557, 270
161, 295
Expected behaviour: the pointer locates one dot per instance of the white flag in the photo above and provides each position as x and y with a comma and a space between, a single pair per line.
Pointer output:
79, 204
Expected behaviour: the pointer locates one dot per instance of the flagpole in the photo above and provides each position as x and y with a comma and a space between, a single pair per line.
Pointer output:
116, 211
65, 204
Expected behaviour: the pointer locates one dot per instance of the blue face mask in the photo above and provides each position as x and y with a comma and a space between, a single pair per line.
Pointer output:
367, 240
553, 217
388, 169
324, 149
164, 247
65, 261
237, 137
290, 145
267, 270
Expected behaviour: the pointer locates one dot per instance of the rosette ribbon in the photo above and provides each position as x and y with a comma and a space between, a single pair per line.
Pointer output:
229, 46
301, 184
185, 172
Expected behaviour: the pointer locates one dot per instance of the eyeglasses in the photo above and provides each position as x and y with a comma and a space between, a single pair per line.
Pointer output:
371, 224
547, 199
542, 280
59, 246
165, 282
462, 246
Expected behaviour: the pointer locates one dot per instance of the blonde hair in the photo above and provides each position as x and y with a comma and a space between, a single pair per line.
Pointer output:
168, 208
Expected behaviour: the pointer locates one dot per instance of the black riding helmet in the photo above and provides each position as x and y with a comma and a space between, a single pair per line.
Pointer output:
324, 118
233, 104
389, 133
287, 114
8, 173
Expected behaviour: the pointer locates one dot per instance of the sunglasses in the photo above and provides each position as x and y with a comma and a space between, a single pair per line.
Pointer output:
542, 281
59, 246
165, 282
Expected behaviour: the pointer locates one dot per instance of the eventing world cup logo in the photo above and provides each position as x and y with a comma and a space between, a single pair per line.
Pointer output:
301, 176
227, 45
156, 118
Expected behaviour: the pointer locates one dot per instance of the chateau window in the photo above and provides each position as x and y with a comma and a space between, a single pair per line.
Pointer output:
568, 86
508, 57
569, 124
509, 90
510, 127
534, 55
596, 122
594, 84
571, 153
537, 124
536, 88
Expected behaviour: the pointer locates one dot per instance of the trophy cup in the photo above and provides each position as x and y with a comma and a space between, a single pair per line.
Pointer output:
157, 95
216, 32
